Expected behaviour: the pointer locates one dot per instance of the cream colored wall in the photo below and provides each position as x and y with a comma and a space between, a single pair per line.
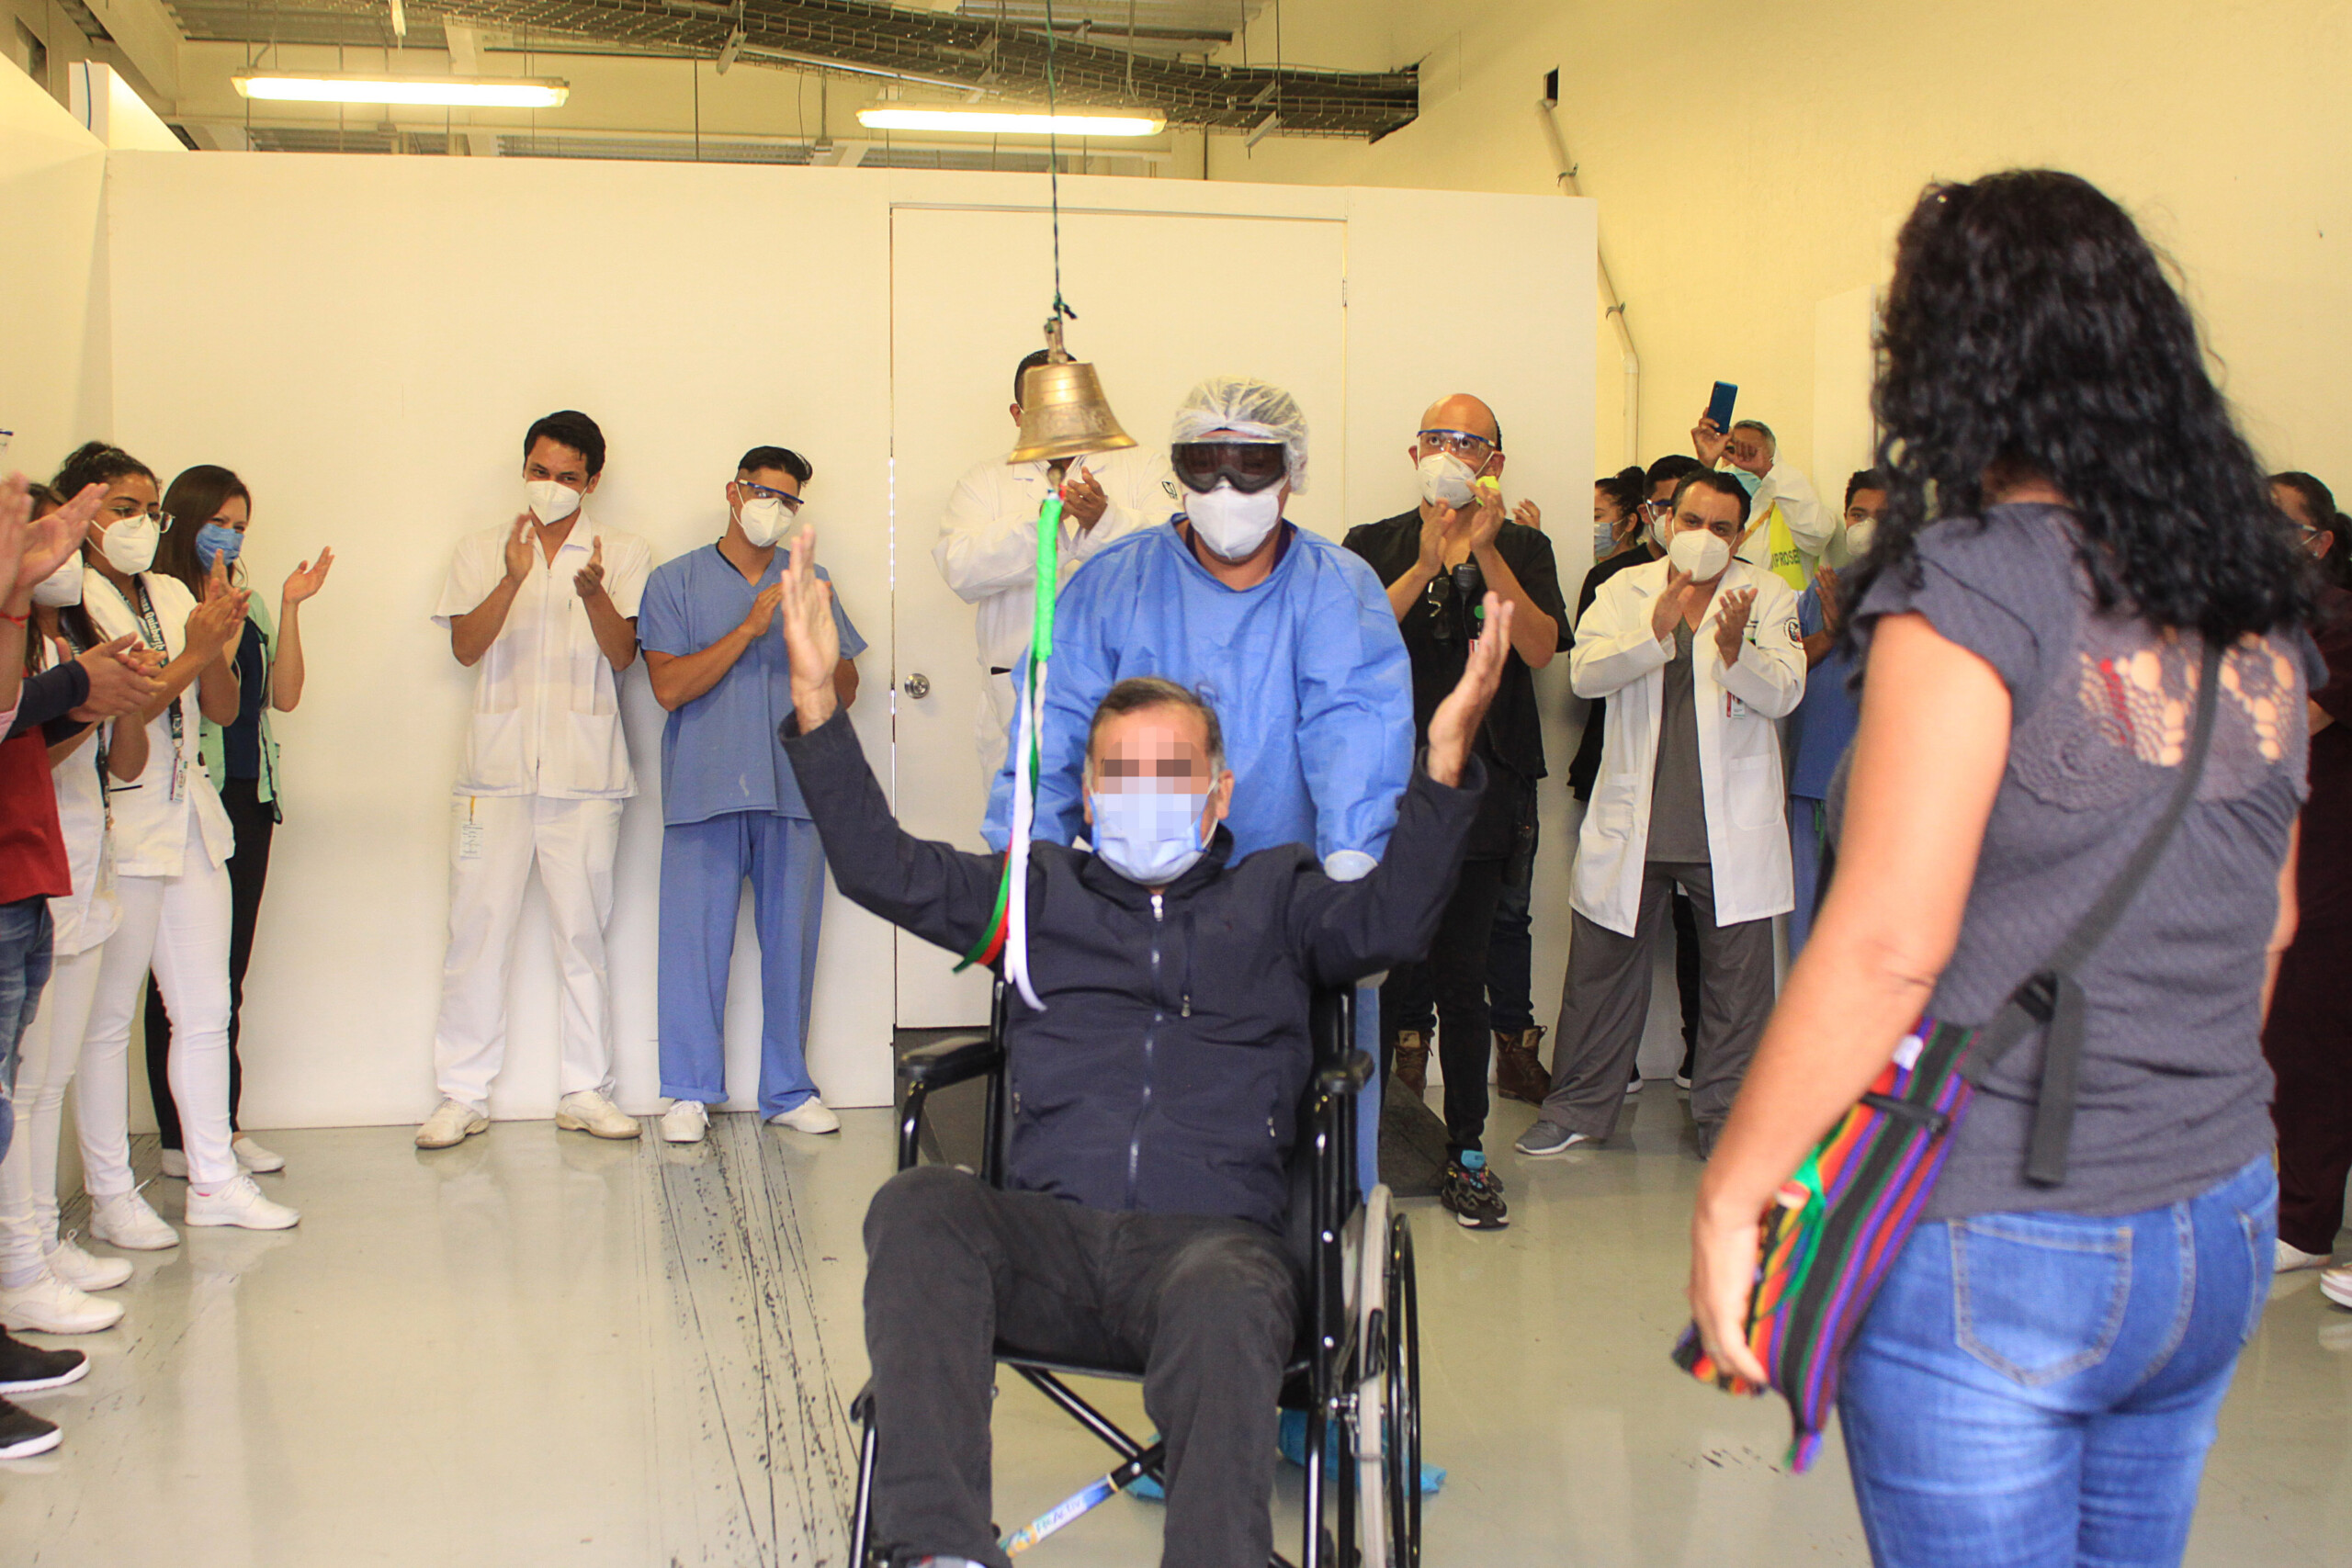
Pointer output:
52, 381
1750, 161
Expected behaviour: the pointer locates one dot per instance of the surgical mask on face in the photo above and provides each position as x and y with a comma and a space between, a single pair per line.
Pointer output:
1604, 539
1446, 479
1749, 483
213, 540
1148, 839
1698, 553
1232, 525
130, 544
61, 587
1858, 537
767, 522
551, 501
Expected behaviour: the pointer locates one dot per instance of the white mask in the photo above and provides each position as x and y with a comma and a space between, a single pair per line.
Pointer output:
551, 501
61, 587
1232, 525
130, 544
1699, 553
1446, 478
1858, 539
765, 522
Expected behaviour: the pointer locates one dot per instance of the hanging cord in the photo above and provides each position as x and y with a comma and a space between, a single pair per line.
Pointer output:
1054, 167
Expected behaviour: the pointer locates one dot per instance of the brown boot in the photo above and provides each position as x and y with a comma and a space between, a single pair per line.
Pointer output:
1413, 1062
1518, 1069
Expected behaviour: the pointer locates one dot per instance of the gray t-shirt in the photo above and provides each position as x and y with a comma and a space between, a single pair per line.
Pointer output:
2173, 1092
1677, 808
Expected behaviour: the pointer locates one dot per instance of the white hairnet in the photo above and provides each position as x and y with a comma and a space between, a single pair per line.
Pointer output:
1248, 407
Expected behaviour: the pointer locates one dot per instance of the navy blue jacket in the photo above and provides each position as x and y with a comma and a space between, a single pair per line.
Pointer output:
1166, 1070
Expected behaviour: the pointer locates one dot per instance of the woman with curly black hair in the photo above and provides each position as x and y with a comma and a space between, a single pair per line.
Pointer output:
2072, 519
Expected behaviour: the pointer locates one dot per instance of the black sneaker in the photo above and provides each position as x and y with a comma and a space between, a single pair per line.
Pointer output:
28, 1369
22, 1433
1473, 1196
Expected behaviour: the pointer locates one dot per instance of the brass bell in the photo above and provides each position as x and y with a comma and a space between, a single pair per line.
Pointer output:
1063, 413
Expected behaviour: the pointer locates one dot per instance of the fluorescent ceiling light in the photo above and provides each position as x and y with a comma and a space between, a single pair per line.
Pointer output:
455, 92
1010, 123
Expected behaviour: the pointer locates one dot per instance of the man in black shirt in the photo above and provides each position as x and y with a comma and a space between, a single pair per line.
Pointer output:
1438, 561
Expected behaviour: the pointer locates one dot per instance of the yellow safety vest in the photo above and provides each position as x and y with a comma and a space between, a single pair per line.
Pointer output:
1788, 562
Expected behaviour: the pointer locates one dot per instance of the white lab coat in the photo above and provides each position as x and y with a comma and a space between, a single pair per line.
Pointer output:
988, 553
1809, 523
1738, 707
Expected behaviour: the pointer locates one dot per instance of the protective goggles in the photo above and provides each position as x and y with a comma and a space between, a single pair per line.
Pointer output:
1471, 448
1252, 466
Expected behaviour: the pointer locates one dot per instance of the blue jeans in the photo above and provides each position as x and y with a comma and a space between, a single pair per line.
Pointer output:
2039, 1390
704, 865
24, 970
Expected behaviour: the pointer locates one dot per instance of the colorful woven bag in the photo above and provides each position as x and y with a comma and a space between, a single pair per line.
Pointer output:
1842, 1220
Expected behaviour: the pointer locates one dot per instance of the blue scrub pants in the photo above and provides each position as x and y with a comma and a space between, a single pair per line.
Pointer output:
703, 868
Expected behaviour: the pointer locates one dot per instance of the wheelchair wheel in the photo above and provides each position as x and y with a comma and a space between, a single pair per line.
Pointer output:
1369, 1422
1402, 1400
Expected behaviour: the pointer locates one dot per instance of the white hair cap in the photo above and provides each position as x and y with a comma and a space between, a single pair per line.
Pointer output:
1246, 406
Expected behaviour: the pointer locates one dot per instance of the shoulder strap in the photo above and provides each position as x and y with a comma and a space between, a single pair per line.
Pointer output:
2051, 997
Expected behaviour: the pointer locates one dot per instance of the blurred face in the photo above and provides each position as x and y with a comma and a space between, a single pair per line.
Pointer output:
551, 459
2289, 500
1158, 751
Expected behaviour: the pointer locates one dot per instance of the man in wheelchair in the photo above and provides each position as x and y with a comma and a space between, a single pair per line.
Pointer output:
1153, 1099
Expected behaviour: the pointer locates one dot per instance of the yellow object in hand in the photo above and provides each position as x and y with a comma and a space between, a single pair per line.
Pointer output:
1488, 485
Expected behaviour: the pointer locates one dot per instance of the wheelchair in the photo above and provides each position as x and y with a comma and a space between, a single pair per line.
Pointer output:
1355, 1370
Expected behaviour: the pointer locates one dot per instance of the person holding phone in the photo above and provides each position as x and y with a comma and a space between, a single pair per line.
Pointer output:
987, 547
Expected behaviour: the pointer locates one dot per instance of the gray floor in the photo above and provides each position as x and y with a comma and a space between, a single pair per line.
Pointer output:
537, 1347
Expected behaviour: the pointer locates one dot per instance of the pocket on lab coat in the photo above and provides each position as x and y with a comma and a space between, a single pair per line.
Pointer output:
599, 754
1754, 802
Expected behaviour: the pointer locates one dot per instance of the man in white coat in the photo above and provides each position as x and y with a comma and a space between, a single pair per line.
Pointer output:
1699, 657
545, 607
987, 547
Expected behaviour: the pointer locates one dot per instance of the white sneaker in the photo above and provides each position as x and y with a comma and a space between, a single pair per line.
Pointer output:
685, 1122
449, 1124
587, 1111
2290, 1257
239, 1202
174, 1164
253, 1157
127, 1221
84, 1272
2336, 1284
809, 1116
50, 1305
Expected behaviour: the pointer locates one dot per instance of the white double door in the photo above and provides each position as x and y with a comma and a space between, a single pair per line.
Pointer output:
1163, 300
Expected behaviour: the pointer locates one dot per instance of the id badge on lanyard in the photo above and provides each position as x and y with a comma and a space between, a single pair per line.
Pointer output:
151, 632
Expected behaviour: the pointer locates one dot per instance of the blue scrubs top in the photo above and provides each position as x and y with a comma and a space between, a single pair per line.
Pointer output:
720, 752
1824, 723
1306, 672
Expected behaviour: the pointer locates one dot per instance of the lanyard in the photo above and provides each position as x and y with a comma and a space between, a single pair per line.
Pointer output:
151, 631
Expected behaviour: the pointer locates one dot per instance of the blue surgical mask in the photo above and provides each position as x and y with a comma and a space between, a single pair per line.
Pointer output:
1749, 483
1148, 839
213, 540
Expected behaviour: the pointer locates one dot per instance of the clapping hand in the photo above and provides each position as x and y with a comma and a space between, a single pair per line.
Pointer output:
812, 642
31, 550
1673, 603
306, 578
1457, 718
1083, 501
763, 603
1731, 622
1527, 514
589, 581
213, 625
518, 549
121, 680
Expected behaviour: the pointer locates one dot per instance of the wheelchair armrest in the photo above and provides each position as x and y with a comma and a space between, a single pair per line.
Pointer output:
954, 1060
1349, 1078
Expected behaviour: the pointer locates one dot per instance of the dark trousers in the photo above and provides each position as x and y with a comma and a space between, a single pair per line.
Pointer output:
1686, 969
27, 952
1206, 1308
1510, 964
2308, 1039
253, 821
1608, 999
1452, 982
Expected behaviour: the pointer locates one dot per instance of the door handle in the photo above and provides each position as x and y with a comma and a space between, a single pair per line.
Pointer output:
917, 685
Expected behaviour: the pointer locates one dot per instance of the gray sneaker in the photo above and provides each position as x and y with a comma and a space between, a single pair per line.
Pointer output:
1548, 1138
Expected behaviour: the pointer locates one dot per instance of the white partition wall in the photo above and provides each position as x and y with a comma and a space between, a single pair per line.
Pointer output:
365, 340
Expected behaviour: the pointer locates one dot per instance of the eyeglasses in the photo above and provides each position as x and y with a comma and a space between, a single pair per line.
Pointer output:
1461, 443
1252, 466
761, 492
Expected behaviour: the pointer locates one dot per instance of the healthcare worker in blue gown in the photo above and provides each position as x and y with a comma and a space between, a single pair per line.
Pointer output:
1287, 636
730, 807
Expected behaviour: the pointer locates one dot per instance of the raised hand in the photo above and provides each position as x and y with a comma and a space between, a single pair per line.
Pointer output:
519, 548
1709, 440
31, 550
306, 578
1455, 722
1527, 514
1084, 502
811, 640
764, 608
589, 581
1731, 622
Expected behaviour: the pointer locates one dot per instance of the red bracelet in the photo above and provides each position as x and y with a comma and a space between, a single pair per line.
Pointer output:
18, 620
